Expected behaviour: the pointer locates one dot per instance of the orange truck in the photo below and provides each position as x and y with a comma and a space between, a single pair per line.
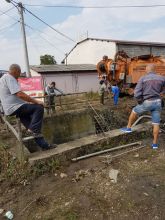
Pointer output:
126, 71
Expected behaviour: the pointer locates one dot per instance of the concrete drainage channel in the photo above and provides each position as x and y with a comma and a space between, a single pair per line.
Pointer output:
68, 127
92, 143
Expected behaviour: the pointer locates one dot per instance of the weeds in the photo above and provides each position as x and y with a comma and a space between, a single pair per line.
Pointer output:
71, 216
11, 169
42, 167
16, 173
92, 95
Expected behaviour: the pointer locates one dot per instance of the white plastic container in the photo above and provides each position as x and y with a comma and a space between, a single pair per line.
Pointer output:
9, 215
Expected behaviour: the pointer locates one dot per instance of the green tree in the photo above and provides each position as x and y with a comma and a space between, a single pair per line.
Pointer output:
47, 60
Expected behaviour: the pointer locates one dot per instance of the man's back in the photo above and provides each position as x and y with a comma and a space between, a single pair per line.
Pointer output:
150, 86
8, 88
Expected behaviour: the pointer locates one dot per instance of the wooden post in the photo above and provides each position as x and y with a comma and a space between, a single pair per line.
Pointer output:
20, 148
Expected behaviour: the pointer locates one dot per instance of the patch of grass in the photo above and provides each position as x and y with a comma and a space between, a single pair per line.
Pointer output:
15, 173
10, 168
92, 95
42, 167
71, 215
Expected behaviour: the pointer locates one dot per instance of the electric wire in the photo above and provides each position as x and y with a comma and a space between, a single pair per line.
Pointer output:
97, 7
59, 32
41, 32
64, 35
45, 39
17, 21
9, 26
28, 26
3, 13
36, 48
9, 15
13, 3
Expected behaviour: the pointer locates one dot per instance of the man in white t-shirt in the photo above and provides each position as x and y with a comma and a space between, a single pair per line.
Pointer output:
15, 102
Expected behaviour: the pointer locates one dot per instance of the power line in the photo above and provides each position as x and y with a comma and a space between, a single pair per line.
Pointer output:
9, 15
38, 30
6, 11
45, 38
25, 24
49, 25
13, 3
9, 26
64, 35
97, 7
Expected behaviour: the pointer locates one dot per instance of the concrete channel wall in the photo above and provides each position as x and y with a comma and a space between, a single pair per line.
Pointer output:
65, 152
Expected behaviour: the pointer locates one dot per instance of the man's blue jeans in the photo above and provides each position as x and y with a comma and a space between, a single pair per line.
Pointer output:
153, 106
31, 116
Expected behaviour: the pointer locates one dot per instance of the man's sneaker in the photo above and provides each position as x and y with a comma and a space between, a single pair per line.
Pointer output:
40, 141
37, 135
28, 133
49, 147
126, 130
154, 146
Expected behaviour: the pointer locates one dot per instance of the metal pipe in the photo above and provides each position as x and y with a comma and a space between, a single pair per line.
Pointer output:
105, 151
117, 155
141, 117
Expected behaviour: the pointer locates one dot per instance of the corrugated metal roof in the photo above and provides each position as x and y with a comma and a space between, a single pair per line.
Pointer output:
64, 68
144, 43
126, 42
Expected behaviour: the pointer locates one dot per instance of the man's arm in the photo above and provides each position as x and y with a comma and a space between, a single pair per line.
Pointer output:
58, 90
15, 89
48, 92
27, 98
163, 88
138, 92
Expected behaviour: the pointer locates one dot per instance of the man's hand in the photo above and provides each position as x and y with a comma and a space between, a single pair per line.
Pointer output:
40, 103
27, 98
162, 95
139, 101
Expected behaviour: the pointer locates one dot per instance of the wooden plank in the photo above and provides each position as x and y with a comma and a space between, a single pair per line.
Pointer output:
11, 127
20, 147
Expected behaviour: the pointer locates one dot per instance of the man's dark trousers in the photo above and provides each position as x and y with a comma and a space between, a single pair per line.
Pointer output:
31, 116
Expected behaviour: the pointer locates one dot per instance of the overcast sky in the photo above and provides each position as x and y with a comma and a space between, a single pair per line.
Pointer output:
146, 24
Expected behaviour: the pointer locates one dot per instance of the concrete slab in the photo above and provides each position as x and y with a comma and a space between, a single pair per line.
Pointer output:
91, 143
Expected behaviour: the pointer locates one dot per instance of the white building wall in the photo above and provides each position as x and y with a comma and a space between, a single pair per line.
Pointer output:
34, 73
91, 52
72, 83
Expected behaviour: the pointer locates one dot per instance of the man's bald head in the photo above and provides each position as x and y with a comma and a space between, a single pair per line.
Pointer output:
15, 70
150, 68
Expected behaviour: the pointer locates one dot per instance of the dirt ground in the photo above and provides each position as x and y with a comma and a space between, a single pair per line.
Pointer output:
84, 190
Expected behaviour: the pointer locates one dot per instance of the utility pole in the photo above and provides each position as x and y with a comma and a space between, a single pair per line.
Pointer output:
66, 61
20, 10
87, 34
